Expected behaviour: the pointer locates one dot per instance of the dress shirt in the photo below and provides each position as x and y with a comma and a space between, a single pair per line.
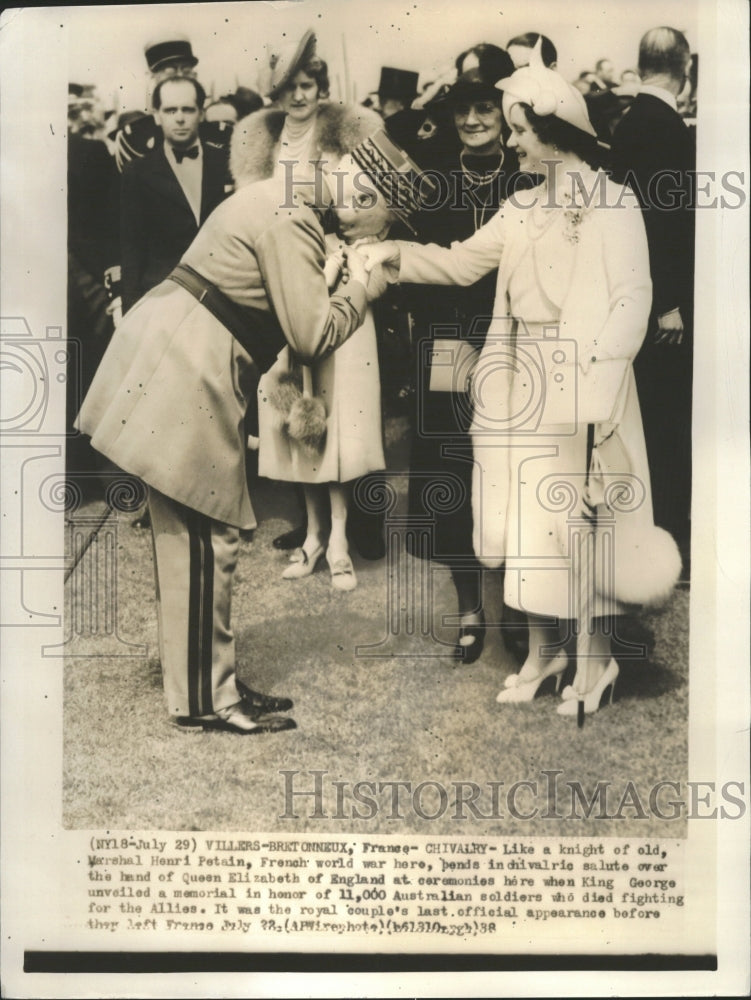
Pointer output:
189, 173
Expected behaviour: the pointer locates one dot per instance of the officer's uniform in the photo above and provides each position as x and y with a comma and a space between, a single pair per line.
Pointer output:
168, 402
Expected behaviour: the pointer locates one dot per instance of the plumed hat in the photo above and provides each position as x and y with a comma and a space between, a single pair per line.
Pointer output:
286, 60
166, 50
546, 92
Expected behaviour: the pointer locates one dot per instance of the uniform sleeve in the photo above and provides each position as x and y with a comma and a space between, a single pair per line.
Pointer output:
626, 260
461, 263
291, 256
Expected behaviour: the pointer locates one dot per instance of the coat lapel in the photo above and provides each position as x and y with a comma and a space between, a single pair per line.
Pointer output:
166, 184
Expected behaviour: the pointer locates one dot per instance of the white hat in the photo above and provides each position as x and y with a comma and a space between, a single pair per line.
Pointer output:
546, 92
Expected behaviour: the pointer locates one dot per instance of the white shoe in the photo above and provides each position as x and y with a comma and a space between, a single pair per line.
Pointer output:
593, 697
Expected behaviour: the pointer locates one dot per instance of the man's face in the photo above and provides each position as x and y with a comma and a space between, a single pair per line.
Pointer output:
179, 116
361, 209
174, 68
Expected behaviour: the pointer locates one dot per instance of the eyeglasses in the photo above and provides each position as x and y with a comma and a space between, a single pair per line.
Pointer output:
483, 109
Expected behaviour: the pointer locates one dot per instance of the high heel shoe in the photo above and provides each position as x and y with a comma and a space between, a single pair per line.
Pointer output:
301, 564
517, 691
593, 697
342, 573
468, 652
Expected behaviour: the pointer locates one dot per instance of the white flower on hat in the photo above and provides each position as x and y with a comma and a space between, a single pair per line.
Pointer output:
546, 92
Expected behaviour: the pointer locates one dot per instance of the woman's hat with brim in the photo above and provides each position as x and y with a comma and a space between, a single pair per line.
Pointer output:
404, 185
286, 60
478, 82
546, 92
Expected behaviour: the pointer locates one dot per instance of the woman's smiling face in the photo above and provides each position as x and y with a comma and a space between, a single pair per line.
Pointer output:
478, 124
531, 151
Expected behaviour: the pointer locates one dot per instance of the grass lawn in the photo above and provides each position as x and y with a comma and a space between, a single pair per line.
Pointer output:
409, 716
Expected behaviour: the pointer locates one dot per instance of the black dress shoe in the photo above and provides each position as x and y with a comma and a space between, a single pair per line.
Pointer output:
235, 719
291, 539
143, 521
468, 652
262, 703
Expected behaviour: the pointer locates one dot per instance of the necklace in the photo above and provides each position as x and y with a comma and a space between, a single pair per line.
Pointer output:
478, 178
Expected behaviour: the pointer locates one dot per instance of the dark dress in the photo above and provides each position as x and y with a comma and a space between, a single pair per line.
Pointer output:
440, 508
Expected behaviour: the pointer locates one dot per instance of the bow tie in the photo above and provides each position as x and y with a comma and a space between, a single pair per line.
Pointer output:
191, 153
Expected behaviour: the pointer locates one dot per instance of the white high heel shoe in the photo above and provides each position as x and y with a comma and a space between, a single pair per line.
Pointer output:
570, 704
301, 564
517, 691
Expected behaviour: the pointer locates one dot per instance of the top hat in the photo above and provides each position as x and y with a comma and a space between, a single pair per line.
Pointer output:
287, 60
397, 83
176, 48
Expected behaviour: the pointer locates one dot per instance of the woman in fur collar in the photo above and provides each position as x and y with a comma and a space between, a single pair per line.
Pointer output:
325, 448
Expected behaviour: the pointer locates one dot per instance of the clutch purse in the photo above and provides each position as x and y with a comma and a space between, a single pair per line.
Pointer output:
451, 364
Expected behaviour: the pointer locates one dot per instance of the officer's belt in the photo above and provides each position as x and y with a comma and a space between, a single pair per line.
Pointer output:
258, 332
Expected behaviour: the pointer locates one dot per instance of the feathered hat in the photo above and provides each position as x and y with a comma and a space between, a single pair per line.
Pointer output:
286, 60
546, 92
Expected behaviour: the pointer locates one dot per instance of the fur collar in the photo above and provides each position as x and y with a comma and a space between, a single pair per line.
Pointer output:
255, 140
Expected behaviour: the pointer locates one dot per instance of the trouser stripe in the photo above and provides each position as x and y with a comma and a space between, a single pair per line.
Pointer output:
194, 616
207, 616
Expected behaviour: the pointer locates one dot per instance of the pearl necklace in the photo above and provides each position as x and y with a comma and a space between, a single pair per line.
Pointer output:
478, 180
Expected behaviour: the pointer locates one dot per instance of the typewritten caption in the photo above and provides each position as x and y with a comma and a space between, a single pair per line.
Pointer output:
462, 889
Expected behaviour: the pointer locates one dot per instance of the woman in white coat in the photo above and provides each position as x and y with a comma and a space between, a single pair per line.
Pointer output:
303, 135
571, 308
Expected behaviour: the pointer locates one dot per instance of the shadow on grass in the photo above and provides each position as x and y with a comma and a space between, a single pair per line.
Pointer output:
410, 716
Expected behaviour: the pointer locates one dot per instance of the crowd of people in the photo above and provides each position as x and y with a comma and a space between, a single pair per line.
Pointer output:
240, 269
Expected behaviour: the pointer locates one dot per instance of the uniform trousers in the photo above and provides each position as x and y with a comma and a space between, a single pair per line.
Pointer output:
194, 560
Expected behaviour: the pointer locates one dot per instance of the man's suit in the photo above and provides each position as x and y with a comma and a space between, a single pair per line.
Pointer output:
157, 223
653, 151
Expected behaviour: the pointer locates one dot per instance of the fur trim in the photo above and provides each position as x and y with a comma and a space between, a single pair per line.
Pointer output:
646, 564
283, 392
307, 423
255, 139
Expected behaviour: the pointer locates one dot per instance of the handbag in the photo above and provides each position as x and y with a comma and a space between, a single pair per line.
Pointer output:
452, 362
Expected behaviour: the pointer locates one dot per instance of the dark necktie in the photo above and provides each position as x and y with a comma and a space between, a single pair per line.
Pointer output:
191, 153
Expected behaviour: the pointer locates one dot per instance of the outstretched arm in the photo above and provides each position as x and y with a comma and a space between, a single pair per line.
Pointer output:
460, 264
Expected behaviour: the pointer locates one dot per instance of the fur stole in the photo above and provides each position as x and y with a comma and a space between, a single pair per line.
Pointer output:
255, 140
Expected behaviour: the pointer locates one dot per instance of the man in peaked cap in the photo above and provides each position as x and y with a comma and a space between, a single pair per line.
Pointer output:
167, 57
171, 56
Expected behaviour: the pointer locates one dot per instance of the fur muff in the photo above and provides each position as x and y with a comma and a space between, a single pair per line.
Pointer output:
283, 392
301, 417
255, 139
646, 563
307, 423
